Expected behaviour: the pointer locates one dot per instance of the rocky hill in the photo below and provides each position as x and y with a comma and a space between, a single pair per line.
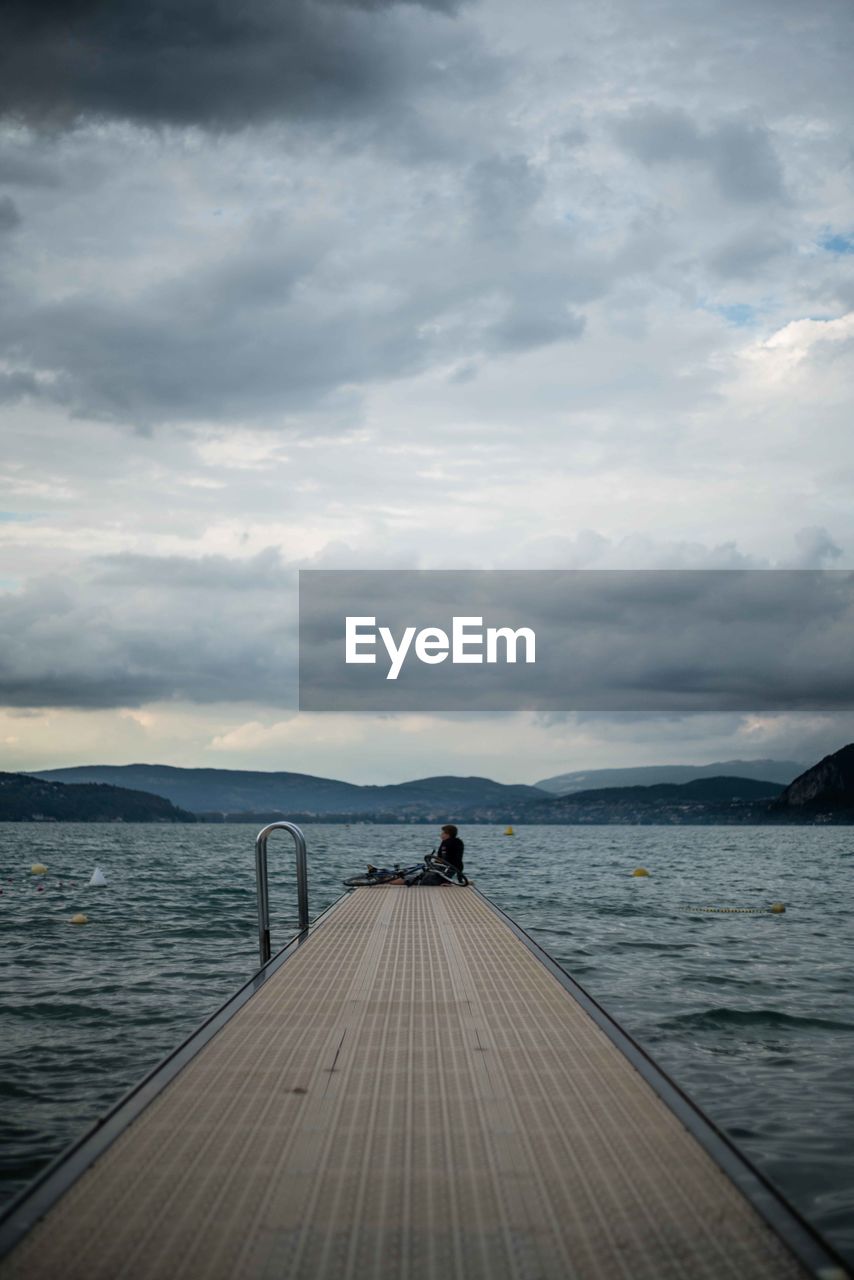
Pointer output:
827, 787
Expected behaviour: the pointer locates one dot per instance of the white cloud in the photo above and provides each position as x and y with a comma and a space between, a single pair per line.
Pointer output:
786, 355
297, 732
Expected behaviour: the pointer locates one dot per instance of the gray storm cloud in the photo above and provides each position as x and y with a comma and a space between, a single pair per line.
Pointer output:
217, 630
134, 629
473, 244
286, 319
702, 641
202, 63
738, 154
9, 215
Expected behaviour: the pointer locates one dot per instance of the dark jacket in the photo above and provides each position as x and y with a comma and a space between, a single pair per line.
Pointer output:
451, 850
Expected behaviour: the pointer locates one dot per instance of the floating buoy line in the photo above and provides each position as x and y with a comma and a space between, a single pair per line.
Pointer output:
776, 909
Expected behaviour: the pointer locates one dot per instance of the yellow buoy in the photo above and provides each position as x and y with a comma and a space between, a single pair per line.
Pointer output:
777, 907
509, 831
38, 869
79, 919
640, 871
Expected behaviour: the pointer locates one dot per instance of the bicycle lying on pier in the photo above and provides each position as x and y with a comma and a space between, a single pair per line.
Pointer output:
431, 871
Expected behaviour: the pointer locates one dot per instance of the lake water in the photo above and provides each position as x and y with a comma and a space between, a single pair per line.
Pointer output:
753, 1015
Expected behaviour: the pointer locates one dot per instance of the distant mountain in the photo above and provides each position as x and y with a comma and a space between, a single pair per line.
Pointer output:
28, 799
824, 793
706, 789
827, 787
562, 784
236, 791
701, 801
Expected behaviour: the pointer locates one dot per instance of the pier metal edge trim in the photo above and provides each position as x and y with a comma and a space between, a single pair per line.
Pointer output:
39, 1196
802, 1238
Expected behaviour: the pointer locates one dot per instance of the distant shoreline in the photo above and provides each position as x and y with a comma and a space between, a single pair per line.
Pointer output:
822, 795
394, 820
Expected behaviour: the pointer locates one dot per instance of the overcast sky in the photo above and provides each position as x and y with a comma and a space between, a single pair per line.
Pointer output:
298, 283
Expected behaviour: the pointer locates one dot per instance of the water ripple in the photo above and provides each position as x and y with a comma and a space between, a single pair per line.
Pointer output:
751, 1014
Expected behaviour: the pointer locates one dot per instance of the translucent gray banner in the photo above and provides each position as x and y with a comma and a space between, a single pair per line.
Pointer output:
639, 640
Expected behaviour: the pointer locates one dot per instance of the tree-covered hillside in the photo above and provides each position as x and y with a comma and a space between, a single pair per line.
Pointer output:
26, 799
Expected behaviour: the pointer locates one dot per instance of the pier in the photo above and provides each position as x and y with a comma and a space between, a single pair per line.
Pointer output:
412, 1089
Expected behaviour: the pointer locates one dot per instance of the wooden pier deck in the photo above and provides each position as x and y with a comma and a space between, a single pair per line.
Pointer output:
412, 1094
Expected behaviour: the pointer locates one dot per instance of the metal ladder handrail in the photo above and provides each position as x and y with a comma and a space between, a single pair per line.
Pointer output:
262, 887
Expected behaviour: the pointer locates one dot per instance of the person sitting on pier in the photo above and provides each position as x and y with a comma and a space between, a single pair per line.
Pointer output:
451, 849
